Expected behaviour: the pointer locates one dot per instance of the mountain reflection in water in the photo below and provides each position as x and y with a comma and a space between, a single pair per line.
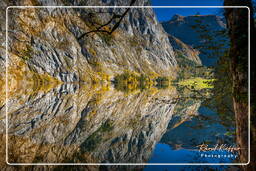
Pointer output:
179, 145
79, 124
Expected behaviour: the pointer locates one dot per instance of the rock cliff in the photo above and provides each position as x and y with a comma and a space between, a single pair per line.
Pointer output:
49, 40
61, 106
183, 50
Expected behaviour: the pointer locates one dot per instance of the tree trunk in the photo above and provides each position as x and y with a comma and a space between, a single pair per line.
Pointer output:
237, 22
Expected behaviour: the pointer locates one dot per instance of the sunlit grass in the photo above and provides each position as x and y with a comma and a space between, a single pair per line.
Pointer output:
197, 83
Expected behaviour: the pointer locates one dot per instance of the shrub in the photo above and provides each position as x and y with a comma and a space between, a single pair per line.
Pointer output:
162, 82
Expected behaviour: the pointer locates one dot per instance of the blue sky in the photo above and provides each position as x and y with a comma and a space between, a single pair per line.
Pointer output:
165, 14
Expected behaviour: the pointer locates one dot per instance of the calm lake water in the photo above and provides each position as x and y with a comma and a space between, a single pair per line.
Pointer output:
75, 125
211, 129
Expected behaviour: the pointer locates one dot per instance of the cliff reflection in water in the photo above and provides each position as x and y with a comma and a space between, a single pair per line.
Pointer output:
105, 97
99, 123
79, 124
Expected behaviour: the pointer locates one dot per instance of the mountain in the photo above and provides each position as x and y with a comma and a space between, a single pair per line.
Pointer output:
52, 43
61, 106
184, 51
193, 30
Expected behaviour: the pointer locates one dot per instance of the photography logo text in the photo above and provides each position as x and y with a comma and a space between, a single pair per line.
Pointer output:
218, 151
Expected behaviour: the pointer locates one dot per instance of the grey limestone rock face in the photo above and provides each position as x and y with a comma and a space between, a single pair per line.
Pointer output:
55, 112
51, 41
62, 122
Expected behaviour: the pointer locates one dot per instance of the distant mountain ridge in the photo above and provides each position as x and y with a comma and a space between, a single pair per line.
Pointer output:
185, 29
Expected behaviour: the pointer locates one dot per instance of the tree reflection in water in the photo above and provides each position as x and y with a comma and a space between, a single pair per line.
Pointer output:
77, 123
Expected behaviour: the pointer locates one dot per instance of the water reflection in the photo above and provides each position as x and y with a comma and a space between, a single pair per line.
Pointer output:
80, 123
205, 128
180, 144
164, 153
76, 124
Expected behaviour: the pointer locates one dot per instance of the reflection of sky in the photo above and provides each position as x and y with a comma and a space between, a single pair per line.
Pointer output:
165, 14
163, 153
204, 128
